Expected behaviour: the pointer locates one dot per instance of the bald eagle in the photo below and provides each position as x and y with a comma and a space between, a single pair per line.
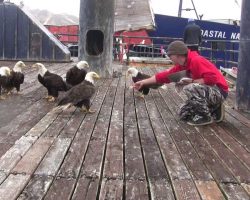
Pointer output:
138, 76
52, 82
12, 78
4, 79
76, 74
80, 94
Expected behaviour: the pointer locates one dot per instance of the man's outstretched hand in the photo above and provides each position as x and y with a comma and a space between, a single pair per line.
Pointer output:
138, 85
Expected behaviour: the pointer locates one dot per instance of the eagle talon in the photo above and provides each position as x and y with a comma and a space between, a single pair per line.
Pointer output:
51, 99
90, 111
47, 97
2, 98
140, 95
83, 110
9, 93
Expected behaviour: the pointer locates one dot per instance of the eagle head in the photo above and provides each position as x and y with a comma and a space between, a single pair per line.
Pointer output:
82, 64
91, 76
132, 71
42, 69
5, 71
18, 66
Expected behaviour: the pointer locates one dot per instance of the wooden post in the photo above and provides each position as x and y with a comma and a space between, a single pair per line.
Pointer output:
243, 75
96, 35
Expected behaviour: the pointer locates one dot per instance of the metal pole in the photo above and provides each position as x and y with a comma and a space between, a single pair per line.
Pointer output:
243, 83
195, 10
180, 9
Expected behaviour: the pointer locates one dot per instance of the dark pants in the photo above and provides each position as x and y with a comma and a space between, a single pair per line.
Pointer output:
202, 100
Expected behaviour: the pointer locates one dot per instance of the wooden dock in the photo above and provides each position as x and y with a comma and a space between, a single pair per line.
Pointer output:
129, 148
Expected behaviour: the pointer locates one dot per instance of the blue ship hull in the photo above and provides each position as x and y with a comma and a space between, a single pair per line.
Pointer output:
217, 36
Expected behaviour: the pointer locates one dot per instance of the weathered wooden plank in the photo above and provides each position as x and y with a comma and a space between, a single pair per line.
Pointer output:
55, 128
236, 132
62, 188
86, 188
15, 153
246, 187
235, 192
205, 152
12, 186
113, 167
37, 188
92, 165
232, 144
134, 167
188, 153
82, 134
74, 123
175, 165
136, 189
53, 159
2, 176
241, 173
229, 159
111, 189
113, 164
238, 116
25, 121
209, 190
43, 124
33, 157
160, 189
156, 170
185, 189
4, 147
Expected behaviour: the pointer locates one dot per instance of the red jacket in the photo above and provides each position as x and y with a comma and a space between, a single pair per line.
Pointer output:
198, 67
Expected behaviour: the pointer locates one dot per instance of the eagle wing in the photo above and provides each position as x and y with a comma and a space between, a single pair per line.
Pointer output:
78, 93
54, 81
75, 76
41, 80
69, 75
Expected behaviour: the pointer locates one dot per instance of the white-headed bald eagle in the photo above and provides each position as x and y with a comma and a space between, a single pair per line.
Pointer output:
4, 79
52, 82
80, 94
12, 78
76, 74
138, 76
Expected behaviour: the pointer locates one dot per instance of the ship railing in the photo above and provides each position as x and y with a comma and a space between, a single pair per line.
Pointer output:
220, 52
128, 47
223, 53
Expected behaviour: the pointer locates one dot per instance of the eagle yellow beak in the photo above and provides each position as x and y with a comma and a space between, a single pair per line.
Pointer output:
97, 76
127, 74
34, 66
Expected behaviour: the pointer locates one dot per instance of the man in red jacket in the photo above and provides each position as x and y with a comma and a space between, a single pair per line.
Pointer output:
206, 88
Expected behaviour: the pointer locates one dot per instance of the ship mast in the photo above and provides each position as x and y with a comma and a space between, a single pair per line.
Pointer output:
180, 9
187, 9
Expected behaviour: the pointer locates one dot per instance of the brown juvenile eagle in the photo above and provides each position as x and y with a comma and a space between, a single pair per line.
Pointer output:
80, 94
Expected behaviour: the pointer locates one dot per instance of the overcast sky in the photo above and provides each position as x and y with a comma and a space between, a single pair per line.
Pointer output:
211, 9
